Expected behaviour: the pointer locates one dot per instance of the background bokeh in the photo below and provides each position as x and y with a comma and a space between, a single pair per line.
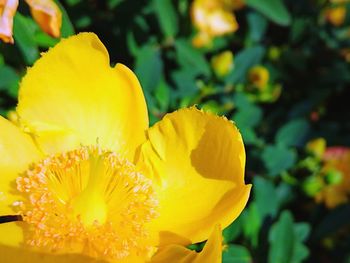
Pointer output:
279, 69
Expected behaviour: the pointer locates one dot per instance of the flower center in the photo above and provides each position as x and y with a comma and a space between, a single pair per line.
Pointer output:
87, 201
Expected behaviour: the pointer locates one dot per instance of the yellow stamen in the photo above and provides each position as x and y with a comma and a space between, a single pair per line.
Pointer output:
88, 201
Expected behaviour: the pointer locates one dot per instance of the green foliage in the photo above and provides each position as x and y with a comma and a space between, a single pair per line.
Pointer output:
273, 9
236, 254
305, 96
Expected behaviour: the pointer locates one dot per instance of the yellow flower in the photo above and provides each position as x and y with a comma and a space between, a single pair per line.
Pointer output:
337, 160
317, 147
211, 19
45, 12
91, 181
336, 15
222, 63
259, 77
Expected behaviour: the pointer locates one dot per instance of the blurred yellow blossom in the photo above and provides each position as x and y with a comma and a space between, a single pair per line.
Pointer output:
259, 76
316, 147
45, 12
213, 18
336, 171
222, 63
336, 15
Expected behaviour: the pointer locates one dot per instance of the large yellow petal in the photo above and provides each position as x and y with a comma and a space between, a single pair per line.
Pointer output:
197, 162
71, 96
17, 151
211, 253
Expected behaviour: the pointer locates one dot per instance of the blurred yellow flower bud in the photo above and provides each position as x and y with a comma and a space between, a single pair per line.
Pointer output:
316, 147
47, 14
274, 53
336, 172
259, 76
336, 15
7, 12
211, 19
234, 4
222, 63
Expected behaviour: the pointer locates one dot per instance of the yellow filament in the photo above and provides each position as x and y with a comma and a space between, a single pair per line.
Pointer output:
87, 201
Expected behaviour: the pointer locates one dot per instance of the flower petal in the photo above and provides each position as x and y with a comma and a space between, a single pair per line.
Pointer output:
47, 14
17, 151
20, 255
71, 96
11, 235
211, 253
7, 12
197, 162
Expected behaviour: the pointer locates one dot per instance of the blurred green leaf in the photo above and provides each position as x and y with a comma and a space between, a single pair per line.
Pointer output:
185, 80
286, 240
251, 223
191, 58
293, 133
257, 26
281, 238
278, 159
273, 9
249, 136
248, 116
244, 60
167, 17
265, 197
24, 38
162, 95
112, 3
149, 67
9, 80
231, 232
44, 40
67, 28
236, 254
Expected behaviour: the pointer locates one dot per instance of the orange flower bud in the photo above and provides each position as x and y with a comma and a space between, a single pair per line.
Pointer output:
7, 12
47, 14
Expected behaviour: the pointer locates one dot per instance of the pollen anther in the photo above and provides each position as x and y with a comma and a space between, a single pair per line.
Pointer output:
86, 201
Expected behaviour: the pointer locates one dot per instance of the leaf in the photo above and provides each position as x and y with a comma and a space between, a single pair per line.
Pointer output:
281, 239
167, 17
236, 254
231, 232
9, 80
24, 38
251, 223
244, 60
149, 67
275, 10
67, 28
162, 95
265, 197
249, 136
257, 26
248, 117
185, 81
293, 133
278, 159
191, 58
